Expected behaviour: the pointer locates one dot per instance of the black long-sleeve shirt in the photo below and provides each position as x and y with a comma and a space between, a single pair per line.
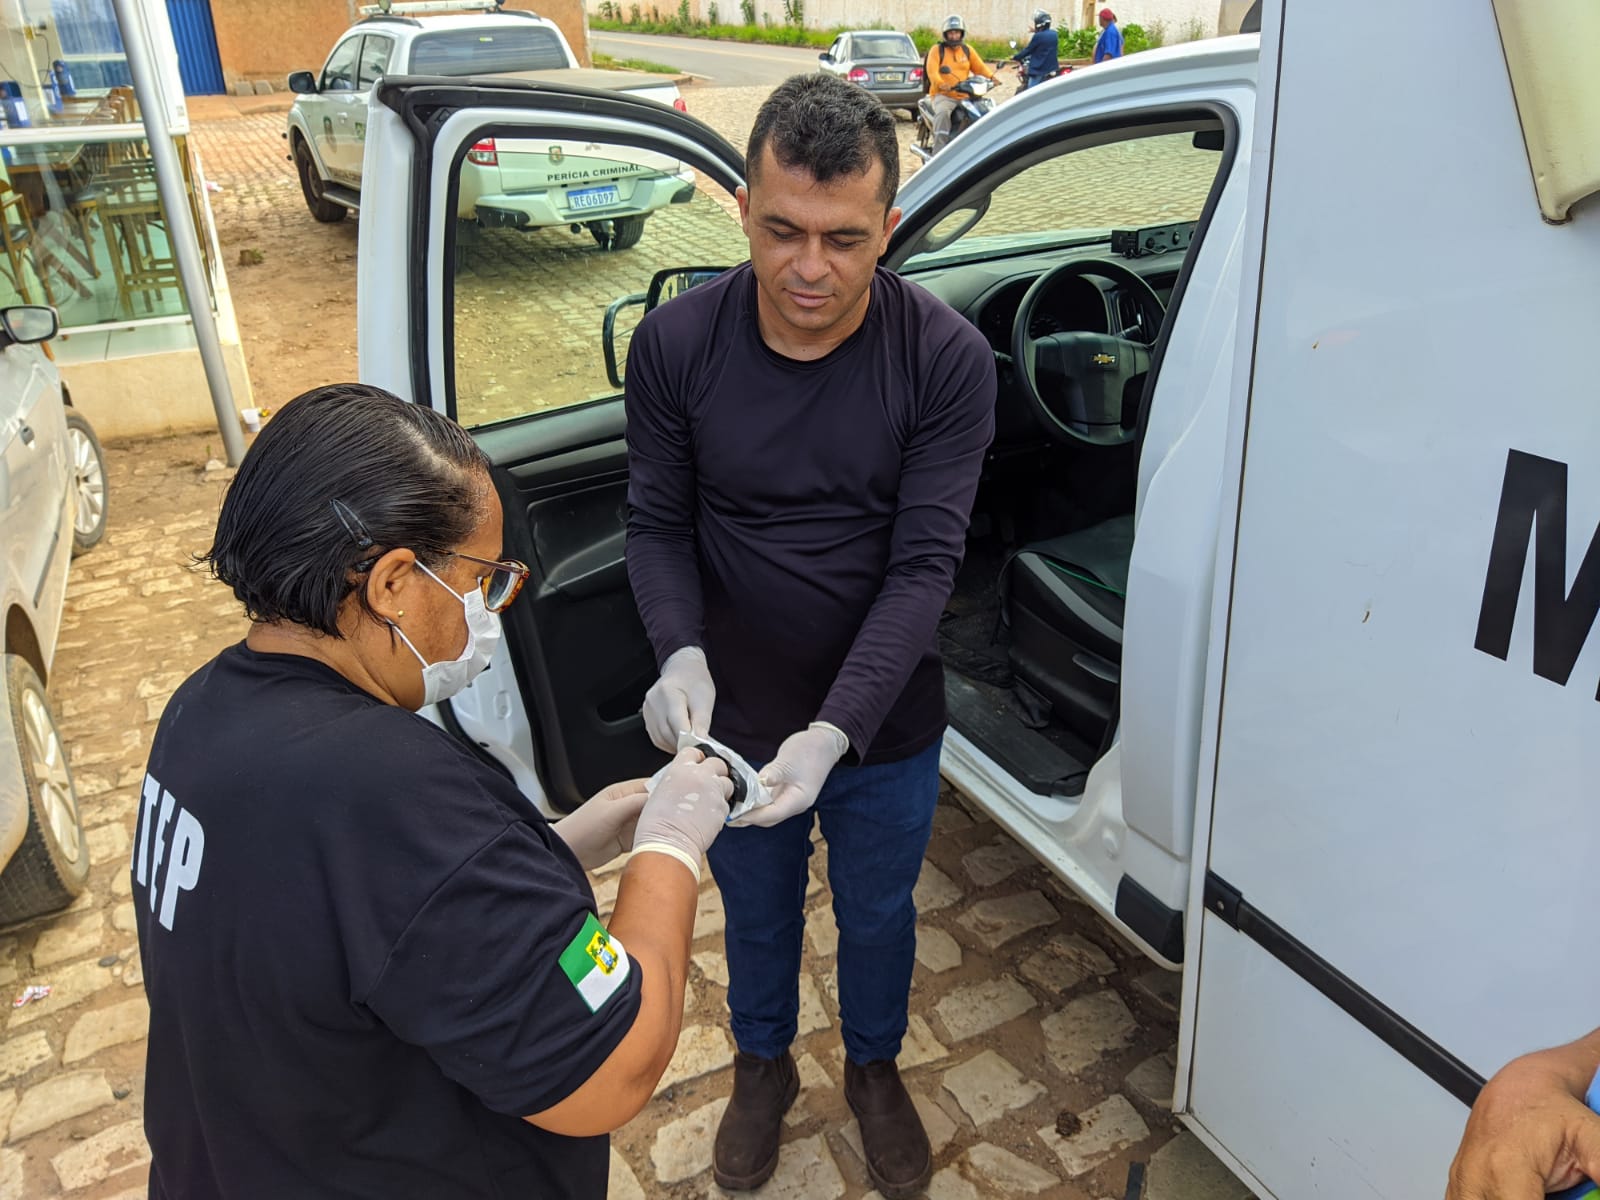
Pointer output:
802, 522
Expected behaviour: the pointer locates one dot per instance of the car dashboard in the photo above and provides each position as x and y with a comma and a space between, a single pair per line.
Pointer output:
989, 292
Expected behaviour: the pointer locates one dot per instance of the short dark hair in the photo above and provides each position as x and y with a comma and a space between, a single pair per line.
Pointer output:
338, 477
828, 128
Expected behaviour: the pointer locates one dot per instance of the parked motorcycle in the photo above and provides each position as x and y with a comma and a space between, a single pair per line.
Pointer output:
974, 103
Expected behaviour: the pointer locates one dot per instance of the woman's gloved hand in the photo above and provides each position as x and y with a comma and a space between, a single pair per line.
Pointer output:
603, 827
681, 700
686, 810
795, 777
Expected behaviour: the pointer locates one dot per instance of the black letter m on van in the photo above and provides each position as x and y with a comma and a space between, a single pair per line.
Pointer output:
1533, 502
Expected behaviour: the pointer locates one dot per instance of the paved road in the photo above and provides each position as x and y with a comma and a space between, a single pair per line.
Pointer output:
723, 64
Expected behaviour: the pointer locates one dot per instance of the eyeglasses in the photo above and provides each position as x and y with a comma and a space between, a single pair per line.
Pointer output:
503, 582
500, 586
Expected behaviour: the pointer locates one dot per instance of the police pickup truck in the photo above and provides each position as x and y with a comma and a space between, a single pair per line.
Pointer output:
511, 183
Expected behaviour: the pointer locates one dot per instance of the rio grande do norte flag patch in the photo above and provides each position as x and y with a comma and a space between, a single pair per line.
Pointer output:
596, 963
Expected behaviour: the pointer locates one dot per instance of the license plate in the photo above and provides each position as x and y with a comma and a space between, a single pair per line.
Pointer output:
891, 76
592, 197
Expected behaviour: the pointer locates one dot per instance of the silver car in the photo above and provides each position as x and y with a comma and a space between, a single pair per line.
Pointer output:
883, 61
53, 497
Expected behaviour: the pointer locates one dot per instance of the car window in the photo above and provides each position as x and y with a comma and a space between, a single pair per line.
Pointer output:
494, 51
841, 49
1077, 195
340, 73
374, 60
548, 236
883, 46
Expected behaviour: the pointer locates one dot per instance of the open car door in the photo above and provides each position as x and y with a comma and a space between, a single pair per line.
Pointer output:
502, 329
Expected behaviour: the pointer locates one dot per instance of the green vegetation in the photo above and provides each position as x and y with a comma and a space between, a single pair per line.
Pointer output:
606, 63
1075, 43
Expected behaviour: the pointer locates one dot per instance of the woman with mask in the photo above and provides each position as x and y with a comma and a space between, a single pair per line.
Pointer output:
374, 970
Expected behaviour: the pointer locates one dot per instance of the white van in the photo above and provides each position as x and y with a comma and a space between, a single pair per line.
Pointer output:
1273, 637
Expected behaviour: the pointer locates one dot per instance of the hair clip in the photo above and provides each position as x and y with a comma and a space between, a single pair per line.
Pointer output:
352, 524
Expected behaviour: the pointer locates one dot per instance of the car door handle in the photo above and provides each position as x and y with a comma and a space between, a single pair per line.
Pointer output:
26, 434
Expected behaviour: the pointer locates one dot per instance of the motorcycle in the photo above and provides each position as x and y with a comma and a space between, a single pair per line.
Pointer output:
974, 103
1024, 81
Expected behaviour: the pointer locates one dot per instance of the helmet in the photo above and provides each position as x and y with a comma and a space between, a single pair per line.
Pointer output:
955, 23
1041, 19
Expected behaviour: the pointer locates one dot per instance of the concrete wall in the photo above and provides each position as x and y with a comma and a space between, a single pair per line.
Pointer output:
152, 395
257, 40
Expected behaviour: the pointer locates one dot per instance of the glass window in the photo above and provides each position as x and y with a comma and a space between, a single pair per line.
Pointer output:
497, 51
881, 45
1082, 194
374, 60
82, 227
59, 63
549, 235
340, 73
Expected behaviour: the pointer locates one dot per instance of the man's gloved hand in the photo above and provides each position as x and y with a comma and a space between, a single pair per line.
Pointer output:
603, 827
681, 700
686, 809
795, 777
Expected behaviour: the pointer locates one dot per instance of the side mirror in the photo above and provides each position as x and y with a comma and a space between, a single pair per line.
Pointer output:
29, 324
663, 287
825, 57
608, 334
303, 83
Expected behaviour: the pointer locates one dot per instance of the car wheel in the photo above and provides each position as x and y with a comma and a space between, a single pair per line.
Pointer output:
621, 234
88, 467
322, 209
51, 865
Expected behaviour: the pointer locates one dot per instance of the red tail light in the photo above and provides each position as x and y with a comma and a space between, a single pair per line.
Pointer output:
916, 73
484, 153
680, 105
860, 75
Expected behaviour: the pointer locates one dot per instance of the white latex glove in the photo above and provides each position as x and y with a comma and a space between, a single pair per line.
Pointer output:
681, 700
795, 777
686, 809
603, 827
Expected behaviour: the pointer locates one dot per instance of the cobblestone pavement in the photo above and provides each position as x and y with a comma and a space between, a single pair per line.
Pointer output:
1040, 1047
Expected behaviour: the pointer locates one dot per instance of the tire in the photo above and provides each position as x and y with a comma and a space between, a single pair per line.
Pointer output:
88, 466
51, 865
322, 209
621, 234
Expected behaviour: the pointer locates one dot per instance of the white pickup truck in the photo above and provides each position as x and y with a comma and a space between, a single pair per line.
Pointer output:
1274, 637
507, 183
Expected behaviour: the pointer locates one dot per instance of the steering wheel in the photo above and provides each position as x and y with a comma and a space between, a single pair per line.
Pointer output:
1084, 375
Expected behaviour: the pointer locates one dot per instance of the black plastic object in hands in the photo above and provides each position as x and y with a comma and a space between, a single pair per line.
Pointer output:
739, 789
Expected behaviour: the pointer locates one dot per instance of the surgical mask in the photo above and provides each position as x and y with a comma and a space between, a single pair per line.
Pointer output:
441, 680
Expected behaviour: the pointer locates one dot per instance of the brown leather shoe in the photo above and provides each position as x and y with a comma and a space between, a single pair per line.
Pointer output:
746, 1150
899, 1159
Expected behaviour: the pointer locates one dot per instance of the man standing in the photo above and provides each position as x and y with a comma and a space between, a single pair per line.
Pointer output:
805, 436
1109, 44
949, 63
1041, 57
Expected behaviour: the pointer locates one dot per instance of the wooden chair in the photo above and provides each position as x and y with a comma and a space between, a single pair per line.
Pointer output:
18, 240
130, 210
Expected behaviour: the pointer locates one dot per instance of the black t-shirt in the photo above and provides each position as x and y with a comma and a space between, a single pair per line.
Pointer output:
367, 955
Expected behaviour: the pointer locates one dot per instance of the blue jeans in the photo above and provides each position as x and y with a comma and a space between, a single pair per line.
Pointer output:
876, 821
